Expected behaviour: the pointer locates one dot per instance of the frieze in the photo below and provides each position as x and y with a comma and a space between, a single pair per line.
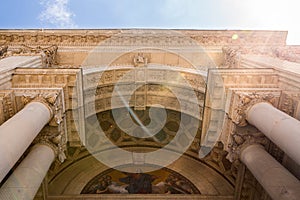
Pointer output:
232, 54
138, 37
41, 37
290, 104
291, 53
145, 75
48, 54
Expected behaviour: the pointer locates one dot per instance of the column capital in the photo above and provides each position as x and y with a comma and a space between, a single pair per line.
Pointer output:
242, 137
53, 135
246, 101
55, 139
51, 98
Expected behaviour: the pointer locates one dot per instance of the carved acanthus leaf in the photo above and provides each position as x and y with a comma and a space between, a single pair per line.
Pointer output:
240, 138
54, 138
52, 99
48, 54
246, 100
54, 134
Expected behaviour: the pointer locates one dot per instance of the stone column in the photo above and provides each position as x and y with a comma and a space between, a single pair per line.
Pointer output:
275, 179
28, 176
17, 133
279, 127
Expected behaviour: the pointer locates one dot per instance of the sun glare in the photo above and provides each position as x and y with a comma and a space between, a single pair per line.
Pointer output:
270, 15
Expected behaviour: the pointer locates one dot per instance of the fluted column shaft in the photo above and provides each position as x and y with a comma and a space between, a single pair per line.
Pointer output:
279, 127
28, 176
17, 133
275, 179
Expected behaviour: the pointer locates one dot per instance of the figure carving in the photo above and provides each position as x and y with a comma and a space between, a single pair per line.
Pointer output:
140, 60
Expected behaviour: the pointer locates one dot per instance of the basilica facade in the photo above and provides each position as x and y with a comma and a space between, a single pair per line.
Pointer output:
149, 114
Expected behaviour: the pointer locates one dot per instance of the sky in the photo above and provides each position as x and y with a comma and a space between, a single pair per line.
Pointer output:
175, 14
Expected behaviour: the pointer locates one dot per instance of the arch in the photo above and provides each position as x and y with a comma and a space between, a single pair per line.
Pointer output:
75, 177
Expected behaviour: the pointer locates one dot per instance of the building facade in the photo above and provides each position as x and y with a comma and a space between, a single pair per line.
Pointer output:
149, 114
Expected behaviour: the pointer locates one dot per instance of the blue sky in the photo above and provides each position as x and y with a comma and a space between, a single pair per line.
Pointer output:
190, 14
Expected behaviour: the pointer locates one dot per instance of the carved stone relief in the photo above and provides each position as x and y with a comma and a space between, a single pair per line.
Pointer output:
48, 54
7, 105
3, 50
242, 137
246, 100
290, 104
54, 134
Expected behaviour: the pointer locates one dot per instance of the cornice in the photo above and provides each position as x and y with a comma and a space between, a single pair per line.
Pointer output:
89, 37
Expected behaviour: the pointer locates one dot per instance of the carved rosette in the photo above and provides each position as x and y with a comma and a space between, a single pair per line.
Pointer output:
246, 101
53, 134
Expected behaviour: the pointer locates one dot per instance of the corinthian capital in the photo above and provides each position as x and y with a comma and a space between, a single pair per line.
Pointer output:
240, 138
246, 101
54, 138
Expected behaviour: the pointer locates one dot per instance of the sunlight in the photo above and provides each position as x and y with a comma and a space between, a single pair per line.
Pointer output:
270, 15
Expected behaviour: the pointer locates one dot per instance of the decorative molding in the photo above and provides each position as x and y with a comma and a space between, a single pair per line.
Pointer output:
289, 53
142, 36
52, 37
217, 159
290, 104
7, 105
3, 50
48, 54
140, 60
232, 54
